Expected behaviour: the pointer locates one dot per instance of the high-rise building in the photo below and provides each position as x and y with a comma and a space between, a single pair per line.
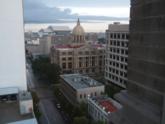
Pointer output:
144, 100
117, 54
12, 47
16, 105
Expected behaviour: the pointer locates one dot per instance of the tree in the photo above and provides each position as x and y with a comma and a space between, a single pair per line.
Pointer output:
45, 70
80, 120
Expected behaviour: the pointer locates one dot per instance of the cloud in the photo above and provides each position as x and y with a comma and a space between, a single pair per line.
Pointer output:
36, 11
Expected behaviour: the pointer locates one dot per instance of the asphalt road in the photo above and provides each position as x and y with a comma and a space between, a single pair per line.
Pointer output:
50, 114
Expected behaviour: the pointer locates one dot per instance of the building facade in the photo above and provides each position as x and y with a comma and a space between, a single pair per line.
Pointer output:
78, 56
14, 108
144, 100
12, 47
117, 54
39, 46
101, 108
77, 88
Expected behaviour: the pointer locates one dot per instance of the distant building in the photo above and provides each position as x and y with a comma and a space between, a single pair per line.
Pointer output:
55, 30
78, 56
77, 88
117, 54
101, 108
39, 46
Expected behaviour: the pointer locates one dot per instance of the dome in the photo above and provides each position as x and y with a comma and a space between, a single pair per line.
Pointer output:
78, 29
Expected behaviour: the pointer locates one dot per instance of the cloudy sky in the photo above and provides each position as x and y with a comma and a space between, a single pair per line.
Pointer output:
49, 10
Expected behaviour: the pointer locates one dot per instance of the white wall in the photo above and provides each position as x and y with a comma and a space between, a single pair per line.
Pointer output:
12, 51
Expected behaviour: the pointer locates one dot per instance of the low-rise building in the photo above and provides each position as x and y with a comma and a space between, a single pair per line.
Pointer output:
77, 88
101, 108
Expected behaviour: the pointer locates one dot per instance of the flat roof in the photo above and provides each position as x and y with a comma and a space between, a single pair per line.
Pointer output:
78, 81
9, 112
117, 27
107, 104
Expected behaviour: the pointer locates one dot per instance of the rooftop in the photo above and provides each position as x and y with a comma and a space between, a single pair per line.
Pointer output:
9, 112
68, 46
107, 104
78, 81
117, 27
59, 28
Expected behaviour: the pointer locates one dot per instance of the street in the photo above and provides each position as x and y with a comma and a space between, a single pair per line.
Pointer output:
50, 114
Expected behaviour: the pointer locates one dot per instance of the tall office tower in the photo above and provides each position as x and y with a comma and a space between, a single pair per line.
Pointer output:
144, 100
117, 54
12, 48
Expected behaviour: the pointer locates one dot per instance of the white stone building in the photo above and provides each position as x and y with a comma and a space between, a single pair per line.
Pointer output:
12, 66
116, 54
101, 108
77, 88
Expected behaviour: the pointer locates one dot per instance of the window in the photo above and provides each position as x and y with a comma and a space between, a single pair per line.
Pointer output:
121, 66
118, 36
87, 52
80, 96
70, 53
125, 74
126, 60
80, 53
70, 58
127, 36
111, 35
86, 64
80, 64
122, 59
123, 36
118, 43
115, 43
93, 52
118, 58
69, 65
63, 59
64, 65
122, 44
122, 51
80, 58
115, 36
63, 53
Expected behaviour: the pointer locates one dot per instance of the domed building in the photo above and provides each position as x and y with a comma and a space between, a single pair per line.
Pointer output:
79, 56
78, 34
